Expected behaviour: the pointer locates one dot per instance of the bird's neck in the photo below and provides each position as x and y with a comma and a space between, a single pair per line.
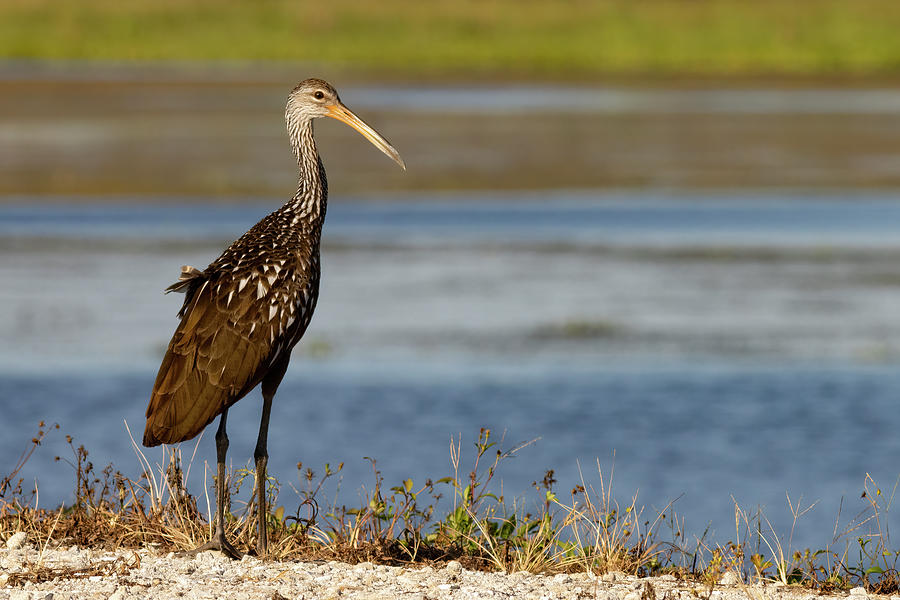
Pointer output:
310, 201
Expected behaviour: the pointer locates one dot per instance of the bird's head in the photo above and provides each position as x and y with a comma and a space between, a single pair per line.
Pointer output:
314, 98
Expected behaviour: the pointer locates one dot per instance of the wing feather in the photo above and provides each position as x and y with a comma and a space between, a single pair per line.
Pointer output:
212, 361
227, 339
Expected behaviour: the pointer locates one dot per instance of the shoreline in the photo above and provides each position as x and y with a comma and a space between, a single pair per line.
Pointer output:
77, 573
238, 73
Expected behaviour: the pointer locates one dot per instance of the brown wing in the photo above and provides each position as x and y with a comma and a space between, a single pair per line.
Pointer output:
219, 352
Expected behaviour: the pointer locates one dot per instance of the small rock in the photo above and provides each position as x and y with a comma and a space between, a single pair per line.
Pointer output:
453, 567
120, 594
729, 578
446, 587
562, 578
16, 540
632, 596
858, 591
211, 557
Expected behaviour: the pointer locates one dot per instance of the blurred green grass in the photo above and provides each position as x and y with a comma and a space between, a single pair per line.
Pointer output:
561, 38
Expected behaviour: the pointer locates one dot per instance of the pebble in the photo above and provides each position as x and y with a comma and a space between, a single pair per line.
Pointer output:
729, 578
858, 591
210, 558
26, 595
453, 567
120, 594
16, 540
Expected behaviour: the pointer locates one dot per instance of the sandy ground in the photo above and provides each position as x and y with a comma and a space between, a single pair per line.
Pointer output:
75, 573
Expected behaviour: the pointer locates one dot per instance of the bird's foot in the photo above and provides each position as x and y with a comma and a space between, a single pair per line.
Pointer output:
220, 544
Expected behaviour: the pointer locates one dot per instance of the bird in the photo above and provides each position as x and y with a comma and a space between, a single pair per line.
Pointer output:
245, 312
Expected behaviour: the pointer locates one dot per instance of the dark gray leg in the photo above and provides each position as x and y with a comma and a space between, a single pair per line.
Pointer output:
219, 542
269, 385
262, 458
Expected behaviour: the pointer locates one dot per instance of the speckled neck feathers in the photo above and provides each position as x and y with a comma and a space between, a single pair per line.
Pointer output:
310, 200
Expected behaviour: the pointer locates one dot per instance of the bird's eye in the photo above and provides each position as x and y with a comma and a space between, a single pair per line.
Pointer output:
318, 95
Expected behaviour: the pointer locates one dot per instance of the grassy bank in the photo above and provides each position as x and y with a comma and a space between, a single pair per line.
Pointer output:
566, 38
457, 517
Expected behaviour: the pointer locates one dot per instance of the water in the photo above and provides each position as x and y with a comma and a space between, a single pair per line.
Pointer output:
144, 131
705, 346
578, 100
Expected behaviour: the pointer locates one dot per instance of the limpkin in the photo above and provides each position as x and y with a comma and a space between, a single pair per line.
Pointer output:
244, 313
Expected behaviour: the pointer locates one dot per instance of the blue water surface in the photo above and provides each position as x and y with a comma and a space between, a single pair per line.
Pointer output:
702, 432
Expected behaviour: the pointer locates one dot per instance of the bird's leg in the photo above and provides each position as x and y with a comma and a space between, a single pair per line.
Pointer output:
221, 451
262, 458
218, 542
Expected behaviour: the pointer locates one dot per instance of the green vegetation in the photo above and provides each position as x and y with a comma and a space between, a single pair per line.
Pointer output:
579, 329
457, 517
550, 38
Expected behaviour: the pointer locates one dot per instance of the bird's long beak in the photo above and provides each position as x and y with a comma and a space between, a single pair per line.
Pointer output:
343, 114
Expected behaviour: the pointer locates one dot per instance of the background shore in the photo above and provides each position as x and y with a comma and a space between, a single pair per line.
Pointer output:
500, 39
116, 133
